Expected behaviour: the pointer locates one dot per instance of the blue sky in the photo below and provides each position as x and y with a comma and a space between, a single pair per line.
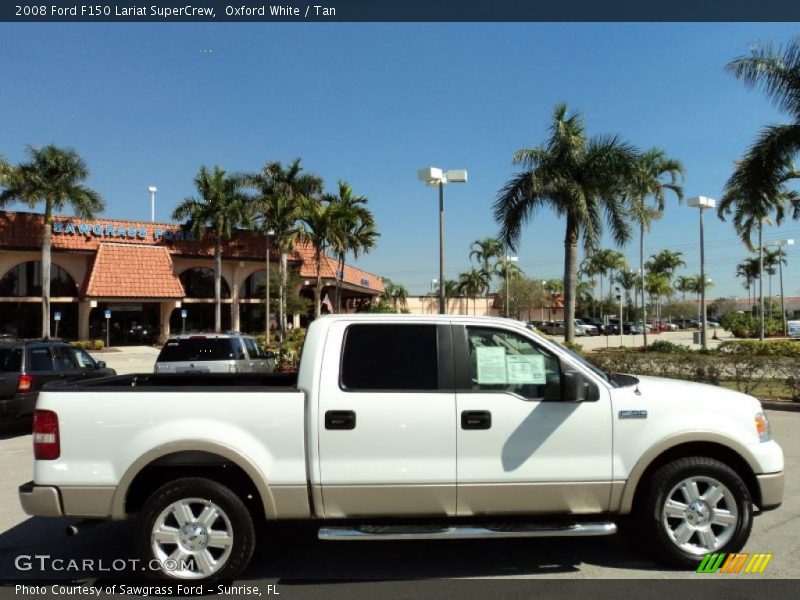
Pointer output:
147, 104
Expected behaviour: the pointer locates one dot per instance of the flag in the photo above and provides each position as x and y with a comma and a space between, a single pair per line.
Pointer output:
326, 302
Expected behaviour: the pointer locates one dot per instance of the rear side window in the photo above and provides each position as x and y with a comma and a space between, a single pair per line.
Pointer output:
390, 357
10, 360
200, 349
40, 359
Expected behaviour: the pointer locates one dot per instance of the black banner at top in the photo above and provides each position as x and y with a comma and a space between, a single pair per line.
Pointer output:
122, 11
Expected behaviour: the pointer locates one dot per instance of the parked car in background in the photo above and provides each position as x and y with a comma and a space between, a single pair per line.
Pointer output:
583, 328
25, 366
602, 328
214, 353
553, 327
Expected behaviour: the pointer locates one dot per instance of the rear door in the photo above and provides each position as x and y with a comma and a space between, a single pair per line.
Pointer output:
39, 364
387, 438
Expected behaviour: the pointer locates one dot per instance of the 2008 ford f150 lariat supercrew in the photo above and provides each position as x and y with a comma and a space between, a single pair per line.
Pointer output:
406, 427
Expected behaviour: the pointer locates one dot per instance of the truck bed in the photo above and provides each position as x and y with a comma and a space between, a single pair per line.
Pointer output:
184, 381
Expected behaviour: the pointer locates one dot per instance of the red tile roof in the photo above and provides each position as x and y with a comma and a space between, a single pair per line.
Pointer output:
128, 271
20, 230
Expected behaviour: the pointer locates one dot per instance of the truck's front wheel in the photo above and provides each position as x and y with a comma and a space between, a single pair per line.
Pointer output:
695, 506
195, 528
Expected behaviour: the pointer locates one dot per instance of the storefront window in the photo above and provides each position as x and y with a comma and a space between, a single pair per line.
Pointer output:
25, 280
198, 282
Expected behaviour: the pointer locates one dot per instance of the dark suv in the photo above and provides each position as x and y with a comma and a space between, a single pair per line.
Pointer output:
26, 366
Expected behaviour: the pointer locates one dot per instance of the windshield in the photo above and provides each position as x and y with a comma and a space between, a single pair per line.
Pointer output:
599, 372
200, 349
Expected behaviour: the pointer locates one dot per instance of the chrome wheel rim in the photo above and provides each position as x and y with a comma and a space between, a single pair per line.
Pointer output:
700, 515
192, 538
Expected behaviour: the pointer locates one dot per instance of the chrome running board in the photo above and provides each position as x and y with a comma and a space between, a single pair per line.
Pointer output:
464, 532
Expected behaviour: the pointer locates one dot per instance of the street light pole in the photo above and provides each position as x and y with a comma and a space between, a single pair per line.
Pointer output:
433, 283
702, 203
760, 280
152, 189
436, 176
508, 260
779, 244
266, 312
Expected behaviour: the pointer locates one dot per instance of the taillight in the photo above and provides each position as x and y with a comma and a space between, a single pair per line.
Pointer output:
46, 443
25, 383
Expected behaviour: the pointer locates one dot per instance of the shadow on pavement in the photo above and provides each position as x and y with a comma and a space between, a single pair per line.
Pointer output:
16, 428
292, 554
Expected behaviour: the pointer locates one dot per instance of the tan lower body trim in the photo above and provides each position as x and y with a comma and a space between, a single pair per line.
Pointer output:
388, 500
532, 498
291, 501
87, 501
771, 487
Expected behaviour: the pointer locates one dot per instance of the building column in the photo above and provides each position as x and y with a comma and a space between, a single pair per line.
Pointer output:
235, 317
166, 312
84, 310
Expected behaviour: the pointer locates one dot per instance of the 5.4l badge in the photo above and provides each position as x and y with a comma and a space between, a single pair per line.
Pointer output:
633, 414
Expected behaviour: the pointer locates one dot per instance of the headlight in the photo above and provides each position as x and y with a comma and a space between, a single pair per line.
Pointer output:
762, 427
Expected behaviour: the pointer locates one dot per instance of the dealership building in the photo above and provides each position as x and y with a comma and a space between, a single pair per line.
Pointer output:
152, 277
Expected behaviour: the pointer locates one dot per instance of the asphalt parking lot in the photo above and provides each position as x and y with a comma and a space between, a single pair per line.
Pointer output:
292, 554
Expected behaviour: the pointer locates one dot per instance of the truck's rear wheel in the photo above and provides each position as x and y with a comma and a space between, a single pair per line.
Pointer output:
196, 529
695, 506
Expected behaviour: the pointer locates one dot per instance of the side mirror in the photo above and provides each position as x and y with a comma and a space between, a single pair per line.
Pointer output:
101, 364
575, 388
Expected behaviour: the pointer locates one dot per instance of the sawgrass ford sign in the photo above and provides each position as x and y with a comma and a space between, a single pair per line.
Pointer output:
118, 230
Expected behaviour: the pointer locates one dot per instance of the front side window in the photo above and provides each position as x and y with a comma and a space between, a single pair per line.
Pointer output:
62, 358
390, 358
501, 360
83, 359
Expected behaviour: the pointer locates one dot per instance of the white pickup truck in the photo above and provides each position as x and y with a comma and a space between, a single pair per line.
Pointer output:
406, 427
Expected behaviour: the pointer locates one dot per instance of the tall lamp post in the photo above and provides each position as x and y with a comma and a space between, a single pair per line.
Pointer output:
780, 244
702, 203
152, 189
434, 281
508, 259
433, 176
270, 233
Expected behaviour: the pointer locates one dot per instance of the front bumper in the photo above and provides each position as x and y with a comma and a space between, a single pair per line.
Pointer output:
770, 487
40, 500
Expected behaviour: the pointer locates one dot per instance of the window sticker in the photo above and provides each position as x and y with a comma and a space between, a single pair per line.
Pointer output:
526, 368
491, 365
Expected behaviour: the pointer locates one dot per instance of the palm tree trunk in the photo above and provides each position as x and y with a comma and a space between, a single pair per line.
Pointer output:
570, 278
339, 277
266, 311
46, 260
601, 295
282, 294
318, 287
218, 285
641, 274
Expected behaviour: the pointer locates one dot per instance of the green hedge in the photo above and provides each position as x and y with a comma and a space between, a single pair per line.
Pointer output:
766, 371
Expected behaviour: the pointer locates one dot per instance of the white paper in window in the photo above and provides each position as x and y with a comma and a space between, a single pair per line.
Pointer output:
491, 365
526, 368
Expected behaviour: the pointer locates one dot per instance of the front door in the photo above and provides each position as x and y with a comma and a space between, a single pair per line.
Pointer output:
521, 449
387, 441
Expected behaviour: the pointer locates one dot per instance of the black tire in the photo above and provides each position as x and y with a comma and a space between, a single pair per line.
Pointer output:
660, 532
234, 517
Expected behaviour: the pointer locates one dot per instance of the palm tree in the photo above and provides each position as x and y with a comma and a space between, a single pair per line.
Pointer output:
483, 251
580, 179
610, 261
280, 191
472, 283
685, 284
354, 230
776, 71
656, 174
55, 177
665, 262
319, 227
590, 268
222, 208
396, 293
657, 286
771, 260
627, 281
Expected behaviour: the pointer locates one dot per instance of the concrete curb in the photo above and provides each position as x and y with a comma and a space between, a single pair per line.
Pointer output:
785, 406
